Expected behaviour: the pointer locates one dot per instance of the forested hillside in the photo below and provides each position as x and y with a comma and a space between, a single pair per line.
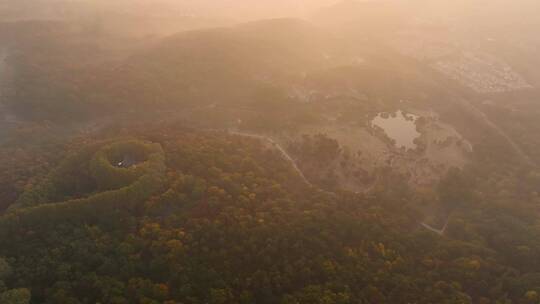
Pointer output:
165, 152
204, 217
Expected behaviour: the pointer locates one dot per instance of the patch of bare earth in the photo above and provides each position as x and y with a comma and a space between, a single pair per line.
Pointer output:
366, 152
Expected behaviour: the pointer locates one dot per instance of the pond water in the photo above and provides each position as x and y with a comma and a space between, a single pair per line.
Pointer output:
400, 127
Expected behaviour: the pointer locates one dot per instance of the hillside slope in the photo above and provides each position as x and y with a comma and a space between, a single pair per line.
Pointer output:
232, 222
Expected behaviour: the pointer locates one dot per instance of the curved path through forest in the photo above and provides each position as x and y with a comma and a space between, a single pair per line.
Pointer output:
293, 163
285, 155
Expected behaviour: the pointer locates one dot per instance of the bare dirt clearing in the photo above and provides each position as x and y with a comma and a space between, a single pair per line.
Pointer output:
365, 150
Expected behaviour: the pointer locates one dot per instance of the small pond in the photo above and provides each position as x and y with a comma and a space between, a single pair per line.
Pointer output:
400, 127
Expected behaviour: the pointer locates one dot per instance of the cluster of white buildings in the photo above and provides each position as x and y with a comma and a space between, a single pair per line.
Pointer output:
482, 73
462, 62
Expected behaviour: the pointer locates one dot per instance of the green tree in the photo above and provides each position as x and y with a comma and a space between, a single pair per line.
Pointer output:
15, 296
456, 190
5, 269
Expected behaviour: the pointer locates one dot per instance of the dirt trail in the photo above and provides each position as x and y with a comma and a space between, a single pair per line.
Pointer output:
483, 117
440, 232
283, 152
293, 163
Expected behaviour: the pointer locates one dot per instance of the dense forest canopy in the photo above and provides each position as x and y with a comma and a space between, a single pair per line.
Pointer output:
289, 152
231, 222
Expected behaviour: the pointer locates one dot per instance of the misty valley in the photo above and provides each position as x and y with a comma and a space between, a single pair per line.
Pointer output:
287, 152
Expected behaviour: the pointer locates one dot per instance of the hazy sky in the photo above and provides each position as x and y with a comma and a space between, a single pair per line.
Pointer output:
460, 11
237, 9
